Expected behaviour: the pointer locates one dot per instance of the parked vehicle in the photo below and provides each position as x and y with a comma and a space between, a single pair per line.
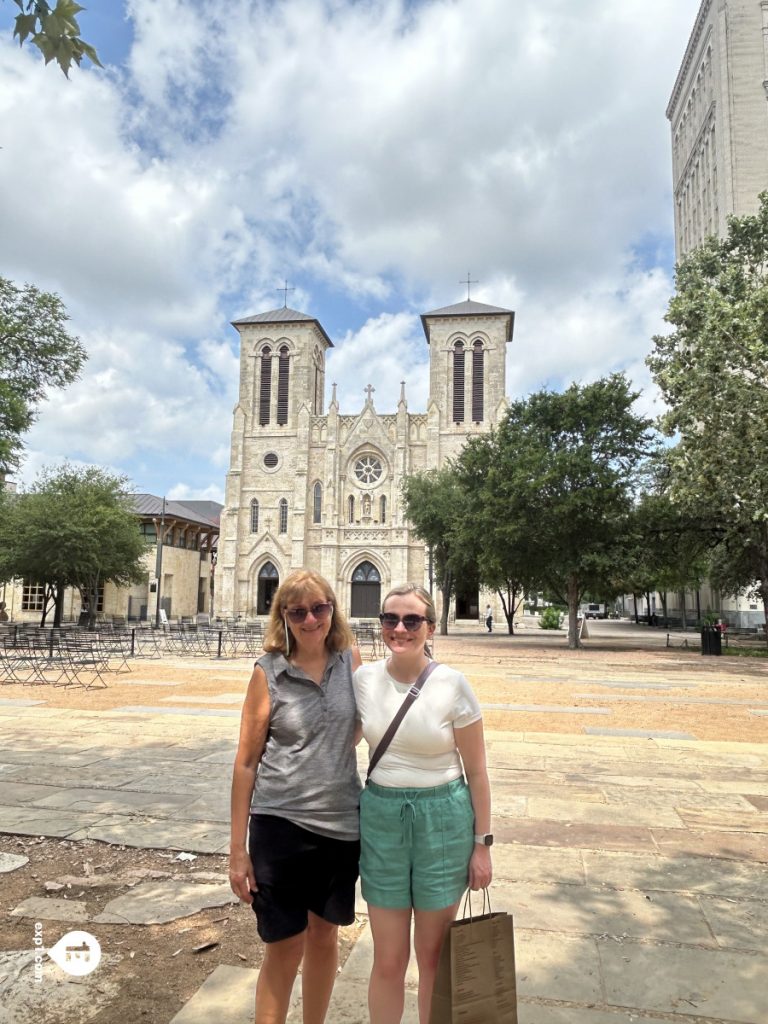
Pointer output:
593, 611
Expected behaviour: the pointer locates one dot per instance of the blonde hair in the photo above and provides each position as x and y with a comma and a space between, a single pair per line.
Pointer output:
423, 595
293, 589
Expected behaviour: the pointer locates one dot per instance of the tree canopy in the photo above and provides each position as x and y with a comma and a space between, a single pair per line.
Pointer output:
54, 31
552, 488
74, 527
432, 502
36, 353
712, 370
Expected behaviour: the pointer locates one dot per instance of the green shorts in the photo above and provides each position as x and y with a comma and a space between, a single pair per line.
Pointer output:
415, 845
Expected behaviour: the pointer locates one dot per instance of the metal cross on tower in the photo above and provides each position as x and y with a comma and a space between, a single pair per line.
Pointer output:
369, 392
468, 282
285, 291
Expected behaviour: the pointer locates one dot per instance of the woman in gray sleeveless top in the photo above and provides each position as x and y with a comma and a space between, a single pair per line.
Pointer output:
295, 790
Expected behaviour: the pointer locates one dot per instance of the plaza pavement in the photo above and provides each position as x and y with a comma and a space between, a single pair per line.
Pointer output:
635, 866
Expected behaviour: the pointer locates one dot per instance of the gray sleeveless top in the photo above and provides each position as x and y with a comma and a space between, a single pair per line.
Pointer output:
308, 772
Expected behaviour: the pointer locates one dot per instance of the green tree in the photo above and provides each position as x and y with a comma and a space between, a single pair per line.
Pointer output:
712, 370
74, 527
503, 548
36, 353
553, 486
431, 501
54, 31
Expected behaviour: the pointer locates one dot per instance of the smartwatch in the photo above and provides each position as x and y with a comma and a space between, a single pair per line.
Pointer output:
485, 840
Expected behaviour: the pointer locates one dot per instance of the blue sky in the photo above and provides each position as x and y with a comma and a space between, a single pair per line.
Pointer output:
371, 154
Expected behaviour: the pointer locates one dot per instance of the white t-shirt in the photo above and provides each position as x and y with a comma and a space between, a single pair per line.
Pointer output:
423, 750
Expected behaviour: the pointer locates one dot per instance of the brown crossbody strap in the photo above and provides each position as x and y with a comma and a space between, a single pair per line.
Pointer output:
409, 698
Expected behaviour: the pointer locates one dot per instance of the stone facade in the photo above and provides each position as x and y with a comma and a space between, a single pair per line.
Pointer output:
322, 489
718, 114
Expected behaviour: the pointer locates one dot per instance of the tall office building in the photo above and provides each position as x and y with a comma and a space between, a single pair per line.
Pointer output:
718, 113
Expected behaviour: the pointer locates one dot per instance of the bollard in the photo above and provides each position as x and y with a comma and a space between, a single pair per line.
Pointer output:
218, 653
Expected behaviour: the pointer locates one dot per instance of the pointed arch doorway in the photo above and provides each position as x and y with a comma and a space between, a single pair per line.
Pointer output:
269, 581
366, 592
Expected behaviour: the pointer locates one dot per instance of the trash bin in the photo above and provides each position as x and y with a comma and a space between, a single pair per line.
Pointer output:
711, 640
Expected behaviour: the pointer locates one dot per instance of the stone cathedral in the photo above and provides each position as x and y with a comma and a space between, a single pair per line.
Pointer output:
321, 489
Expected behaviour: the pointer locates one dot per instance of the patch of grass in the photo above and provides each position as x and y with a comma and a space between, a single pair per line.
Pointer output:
748, 652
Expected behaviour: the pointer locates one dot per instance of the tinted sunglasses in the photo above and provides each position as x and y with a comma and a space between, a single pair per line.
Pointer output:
411, 622
320, 611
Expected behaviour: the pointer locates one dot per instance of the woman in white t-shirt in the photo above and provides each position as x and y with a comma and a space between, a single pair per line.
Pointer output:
424, 830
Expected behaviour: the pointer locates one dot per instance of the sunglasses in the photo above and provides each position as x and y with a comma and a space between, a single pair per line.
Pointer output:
320, 611
411, 622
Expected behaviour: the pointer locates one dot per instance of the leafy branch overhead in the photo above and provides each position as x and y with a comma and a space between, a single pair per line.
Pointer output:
54, 31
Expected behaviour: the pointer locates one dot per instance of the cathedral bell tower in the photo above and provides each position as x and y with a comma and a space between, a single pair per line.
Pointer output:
467, 373
282, 381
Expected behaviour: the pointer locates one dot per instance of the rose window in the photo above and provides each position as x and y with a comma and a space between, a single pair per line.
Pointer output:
368, 469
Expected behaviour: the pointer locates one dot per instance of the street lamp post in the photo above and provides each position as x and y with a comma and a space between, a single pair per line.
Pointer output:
159, 564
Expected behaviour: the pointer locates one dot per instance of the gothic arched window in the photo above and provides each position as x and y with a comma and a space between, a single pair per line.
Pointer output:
478, 360
382, 509
317, 503
283, 374
254, 516
283, 512
458, 382
265, 388
351, 508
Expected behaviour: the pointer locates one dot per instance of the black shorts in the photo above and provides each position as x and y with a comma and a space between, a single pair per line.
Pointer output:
297, 871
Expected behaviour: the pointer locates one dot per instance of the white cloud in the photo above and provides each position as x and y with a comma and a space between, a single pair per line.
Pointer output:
375, 152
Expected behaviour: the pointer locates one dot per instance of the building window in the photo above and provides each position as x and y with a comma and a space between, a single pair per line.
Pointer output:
283, 510
478, 359
254, 516
317, 504
32, 597
282, 386
265, 389
382, 509
368, 469
149, 532
351, 508
271, 460
458, 382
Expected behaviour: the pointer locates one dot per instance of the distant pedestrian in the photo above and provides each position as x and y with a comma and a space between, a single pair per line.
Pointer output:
3, 612
489, 618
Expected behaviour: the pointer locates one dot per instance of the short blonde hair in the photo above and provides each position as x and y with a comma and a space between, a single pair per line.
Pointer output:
423, 595
293, 589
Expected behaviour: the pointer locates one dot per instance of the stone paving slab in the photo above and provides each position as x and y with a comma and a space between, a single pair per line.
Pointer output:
650, 734
163, 834
7, 702
141, 709
740, 846
534, 864
724, 821
737, 924
552, 709
598, 910
570, 835
106, 801
219, 698
49, 908
603, 814
12, 862
26, 821
698, 875
722, 984
651, 699
160, 902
